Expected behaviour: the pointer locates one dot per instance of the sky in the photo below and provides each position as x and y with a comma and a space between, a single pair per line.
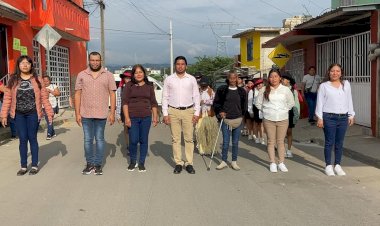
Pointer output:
138, 30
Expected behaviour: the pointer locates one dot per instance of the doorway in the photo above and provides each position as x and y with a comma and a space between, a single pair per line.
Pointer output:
3, 52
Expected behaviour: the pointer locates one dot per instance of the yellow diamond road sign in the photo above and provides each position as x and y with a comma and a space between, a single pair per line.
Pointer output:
280, 55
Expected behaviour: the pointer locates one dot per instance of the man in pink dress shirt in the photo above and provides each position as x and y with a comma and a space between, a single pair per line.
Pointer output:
181, 107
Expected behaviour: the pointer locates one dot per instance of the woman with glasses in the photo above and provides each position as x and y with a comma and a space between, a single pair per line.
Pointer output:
24, 98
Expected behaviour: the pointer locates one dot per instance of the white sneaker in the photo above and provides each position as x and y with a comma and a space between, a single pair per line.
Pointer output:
250, 137
273, 167
222, 165
235, 166
282, 167
329, 170
257, 140
288, 154
339, 171
263, 141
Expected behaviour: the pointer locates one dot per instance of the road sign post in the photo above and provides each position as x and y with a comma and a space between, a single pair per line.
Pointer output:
48, 37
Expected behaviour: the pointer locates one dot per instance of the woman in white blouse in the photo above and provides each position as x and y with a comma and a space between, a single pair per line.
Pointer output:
275, 103
335, 112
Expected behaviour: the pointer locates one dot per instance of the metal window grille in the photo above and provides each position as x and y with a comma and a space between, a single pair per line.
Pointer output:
37, 57
296, 65
351, 53
59, 73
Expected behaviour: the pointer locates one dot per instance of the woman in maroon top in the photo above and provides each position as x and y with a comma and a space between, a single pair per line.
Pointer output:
139, 104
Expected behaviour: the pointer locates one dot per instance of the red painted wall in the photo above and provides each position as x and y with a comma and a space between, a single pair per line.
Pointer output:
25, 31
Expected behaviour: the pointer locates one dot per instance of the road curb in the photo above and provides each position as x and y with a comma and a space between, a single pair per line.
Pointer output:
350, 153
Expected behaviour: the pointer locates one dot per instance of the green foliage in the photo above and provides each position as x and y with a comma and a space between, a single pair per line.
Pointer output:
157, 77
209, 65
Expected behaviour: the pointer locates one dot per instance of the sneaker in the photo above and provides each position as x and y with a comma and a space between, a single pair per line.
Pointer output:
282, 167
250, 137
288, 154
34, 170
48, 137
329, 170
132, 166
235, 166
22, 171
141, 168
339, 171
262, 141
98, 170
273, 167
54, 135
13, 137
257, 140
88, 170
222, 165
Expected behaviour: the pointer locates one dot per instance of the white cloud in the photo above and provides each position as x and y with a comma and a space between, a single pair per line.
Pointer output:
192, 35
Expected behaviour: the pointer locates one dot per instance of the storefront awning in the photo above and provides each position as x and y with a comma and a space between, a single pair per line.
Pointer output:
11, 12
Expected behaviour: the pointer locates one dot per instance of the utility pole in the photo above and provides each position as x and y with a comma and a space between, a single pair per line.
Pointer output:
171, 46
102, 6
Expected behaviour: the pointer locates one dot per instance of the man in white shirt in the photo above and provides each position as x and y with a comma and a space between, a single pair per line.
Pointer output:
310, 84
181, 108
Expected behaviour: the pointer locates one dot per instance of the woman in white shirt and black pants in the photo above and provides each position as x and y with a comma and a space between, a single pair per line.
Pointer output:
335, 112
275, 103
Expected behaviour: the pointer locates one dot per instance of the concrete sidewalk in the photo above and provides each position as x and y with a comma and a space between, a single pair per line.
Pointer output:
358, 144
63, 116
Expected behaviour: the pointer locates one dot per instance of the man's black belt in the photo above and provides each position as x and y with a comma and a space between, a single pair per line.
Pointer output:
182, 108
339, 115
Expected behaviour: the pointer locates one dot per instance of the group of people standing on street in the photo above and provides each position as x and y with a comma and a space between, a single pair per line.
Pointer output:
188, 106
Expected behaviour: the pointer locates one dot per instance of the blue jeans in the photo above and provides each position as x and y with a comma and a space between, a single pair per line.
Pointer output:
311, 99
335, 127
226, 141
94, 128
27, 128
12, 125
50, 127
138, 133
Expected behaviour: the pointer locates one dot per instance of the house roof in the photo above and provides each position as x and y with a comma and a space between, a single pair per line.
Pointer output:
326, 25
11, 12
258, 29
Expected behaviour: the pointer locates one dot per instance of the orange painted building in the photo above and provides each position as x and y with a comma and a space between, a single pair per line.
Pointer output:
21, 20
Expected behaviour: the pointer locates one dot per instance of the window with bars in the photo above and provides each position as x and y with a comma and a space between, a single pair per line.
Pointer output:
296, 65
37, 57
59, 73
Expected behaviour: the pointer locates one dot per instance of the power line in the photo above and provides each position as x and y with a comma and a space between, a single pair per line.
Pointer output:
227, 12
128, 31
147, 18
275, 7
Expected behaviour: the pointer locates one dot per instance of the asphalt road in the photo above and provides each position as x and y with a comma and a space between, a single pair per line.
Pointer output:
61, 195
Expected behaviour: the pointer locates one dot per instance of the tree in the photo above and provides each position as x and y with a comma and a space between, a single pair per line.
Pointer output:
210, 66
